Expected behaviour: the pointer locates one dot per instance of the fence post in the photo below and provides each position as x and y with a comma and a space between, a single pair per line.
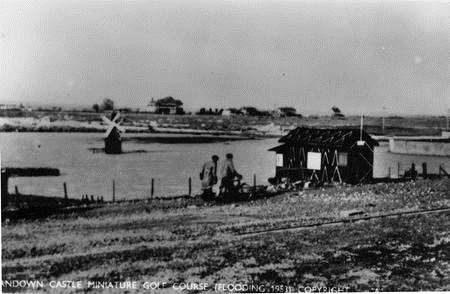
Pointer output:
443, 171
424, 170
114, 191
190, 186
254, 180
152, 191
65, 190
17, 197
4, 187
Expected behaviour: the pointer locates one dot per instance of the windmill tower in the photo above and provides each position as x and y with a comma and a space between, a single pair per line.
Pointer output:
112, 137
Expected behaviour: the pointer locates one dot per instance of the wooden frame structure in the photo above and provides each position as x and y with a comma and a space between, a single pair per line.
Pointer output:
346, 155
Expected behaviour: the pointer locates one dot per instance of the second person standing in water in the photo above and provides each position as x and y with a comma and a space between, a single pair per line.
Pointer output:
227, 175
208, 175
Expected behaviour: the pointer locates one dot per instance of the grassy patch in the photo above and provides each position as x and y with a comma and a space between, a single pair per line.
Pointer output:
198, 243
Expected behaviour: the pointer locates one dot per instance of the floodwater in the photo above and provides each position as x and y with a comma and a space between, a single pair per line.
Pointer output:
88, 172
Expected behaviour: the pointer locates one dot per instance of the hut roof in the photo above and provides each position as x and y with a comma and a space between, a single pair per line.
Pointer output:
280, 148
336, 138
169, 100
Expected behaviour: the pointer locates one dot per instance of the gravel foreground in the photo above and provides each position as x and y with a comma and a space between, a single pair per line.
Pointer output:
196, 248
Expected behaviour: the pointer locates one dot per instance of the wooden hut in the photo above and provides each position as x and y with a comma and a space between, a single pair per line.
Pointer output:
325, 155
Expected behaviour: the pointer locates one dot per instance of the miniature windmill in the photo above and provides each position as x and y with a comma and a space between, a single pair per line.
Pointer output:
113, 140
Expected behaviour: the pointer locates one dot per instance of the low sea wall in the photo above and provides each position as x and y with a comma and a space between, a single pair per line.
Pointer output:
387, 164
433, 148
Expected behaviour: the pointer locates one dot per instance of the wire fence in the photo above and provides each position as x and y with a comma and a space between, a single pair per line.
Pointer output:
114, 189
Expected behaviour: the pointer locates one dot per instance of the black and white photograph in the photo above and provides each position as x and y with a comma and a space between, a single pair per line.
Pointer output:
224, 146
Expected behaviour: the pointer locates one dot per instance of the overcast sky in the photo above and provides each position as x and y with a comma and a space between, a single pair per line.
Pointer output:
360, 56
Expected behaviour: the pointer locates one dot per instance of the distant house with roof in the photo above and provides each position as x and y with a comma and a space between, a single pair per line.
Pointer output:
230, 111
285, 111
167, 105
252, 111
150, 107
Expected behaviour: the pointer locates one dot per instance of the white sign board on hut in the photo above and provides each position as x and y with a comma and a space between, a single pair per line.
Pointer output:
314, 160
279, 160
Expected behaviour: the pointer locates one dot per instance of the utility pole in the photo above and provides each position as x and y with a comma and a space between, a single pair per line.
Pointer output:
448, 114
362, 123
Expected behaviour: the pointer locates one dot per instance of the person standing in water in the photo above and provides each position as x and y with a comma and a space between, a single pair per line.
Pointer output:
228, 173
208, 175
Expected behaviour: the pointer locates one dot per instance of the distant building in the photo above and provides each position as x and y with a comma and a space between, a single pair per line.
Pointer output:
167, 105
151, 107
249, 110
252, 111
286, 111
230, 111
227, 112
204, 111
12, 107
